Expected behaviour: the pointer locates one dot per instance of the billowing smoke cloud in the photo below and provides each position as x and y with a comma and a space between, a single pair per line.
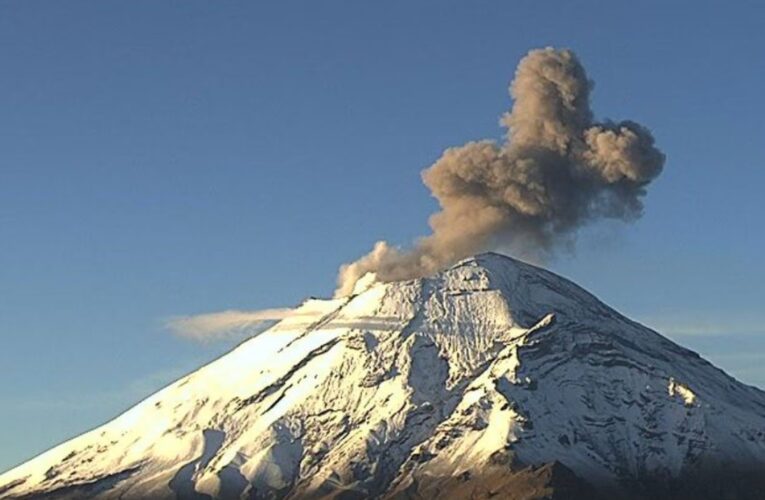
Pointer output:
557, 170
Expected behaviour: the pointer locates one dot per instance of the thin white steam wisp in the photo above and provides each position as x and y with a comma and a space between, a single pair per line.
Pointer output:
225, 324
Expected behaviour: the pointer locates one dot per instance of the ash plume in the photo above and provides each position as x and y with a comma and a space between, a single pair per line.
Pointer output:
557, 170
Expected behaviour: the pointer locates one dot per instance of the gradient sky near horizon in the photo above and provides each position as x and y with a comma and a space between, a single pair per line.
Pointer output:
177, 158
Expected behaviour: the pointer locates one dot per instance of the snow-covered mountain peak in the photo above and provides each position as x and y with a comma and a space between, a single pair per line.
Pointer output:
490, 369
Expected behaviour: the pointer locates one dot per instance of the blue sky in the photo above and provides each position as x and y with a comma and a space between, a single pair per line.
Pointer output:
172, 158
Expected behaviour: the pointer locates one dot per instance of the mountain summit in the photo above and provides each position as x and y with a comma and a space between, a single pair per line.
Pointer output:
491, 378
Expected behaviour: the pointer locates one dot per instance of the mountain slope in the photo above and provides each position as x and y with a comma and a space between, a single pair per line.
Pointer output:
492, 374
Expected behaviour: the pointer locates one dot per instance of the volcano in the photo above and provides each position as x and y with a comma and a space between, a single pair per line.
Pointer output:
493, 378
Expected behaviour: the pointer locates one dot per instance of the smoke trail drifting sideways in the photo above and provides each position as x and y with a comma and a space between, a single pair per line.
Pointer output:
557, 170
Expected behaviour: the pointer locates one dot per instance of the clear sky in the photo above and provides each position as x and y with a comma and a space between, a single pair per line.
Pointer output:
185, 157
